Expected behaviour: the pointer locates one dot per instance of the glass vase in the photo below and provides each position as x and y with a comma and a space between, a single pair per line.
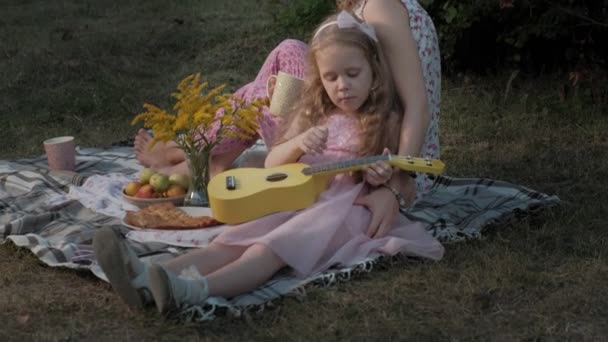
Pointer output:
198, 164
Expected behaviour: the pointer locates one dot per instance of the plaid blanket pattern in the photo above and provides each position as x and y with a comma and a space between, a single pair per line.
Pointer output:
35, 214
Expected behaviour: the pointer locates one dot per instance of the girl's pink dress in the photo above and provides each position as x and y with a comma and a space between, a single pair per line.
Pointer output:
333, 231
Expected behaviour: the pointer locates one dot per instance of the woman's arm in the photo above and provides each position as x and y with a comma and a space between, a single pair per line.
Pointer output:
391, 22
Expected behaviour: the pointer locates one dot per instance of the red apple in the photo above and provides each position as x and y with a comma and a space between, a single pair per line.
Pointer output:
146, 191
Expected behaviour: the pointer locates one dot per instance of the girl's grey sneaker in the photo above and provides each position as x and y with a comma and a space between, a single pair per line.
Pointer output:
126, 273
171, 291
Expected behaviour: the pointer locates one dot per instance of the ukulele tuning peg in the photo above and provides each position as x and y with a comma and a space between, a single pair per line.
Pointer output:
428, 161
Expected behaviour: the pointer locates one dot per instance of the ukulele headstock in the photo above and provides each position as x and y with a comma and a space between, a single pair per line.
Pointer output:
417, 164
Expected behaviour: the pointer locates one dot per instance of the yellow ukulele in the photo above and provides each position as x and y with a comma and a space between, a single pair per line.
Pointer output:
244, 194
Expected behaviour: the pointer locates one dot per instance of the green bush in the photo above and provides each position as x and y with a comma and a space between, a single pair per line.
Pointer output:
491, 35
298, 18
530, 35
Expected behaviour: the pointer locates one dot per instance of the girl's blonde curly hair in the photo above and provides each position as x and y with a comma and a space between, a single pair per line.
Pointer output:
379, 115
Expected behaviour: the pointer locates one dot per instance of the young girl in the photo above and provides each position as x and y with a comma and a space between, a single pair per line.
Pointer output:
346, 106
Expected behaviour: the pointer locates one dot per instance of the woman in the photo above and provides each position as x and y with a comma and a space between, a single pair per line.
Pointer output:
408, 39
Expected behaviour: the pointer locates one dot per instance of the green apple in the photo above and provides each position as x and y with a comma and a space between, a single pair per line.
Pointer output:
160, 182
180, 179
145, 175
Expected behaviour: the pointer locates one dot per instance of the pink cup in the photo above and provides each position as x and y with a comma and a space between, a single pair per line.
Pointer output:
61, 153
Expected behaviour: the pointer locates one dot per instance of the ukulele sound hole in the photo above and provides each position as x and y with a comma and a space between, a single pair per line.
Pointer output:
275, 177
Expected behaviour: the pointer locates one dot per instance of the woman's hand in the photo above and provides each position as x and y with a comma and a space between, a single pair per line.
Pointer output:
385, 207
314, 140
378, 173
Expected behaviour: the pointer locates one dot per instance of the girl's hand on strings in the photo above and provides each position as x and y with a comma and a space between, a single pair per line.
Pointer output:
379, 172
314, 140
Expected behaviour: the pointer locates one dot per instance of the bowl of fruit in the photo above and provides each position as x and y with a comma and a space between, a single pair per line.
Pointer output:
156, 187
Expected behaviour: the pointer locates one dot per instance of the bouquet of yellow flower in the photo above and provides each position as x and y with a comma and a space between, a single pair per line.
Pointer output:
198, 125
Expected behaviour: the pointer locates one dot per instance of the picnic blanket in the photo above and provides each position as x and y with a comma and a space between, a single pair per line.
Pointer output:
54, 215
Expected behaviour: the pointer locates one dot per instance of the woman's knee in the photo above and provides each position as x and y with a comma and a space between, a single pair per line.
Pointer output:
290, 44
290, 56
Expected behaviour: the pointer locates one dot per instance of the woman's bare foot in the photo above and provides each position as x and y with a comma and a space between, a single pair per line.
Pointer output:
162, 155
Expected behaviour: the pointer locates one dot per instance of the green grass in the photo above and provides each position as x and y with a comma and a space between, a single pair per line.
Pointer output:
86, 67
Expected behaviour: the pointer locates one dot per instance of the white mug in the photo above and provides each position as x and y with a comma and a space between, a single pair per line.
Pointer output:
287, 89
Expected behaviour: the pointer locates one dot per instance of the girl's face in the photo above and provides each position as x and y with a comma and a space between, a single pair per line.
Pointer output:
346, 76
